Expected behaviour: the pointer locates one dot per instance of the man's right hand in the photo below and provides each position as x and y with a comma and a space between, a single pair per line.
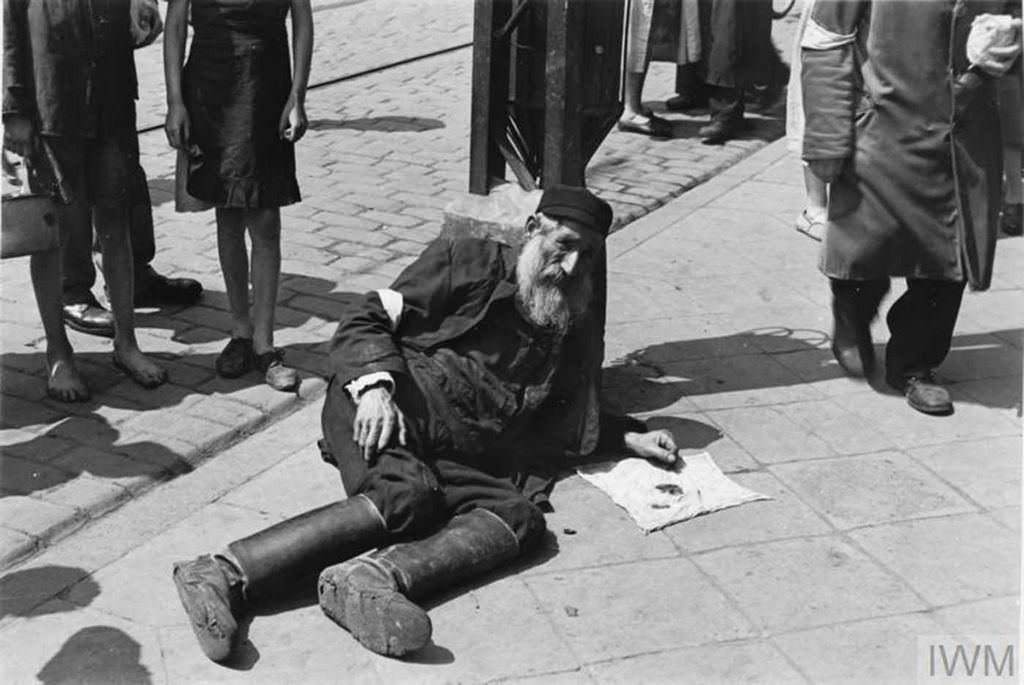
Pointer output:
826, 169
19, 134
377, 416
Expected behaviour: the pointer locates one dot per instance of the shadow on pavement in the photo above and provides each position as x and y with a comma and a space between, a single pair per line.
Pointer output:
27, 592
387, 124
655, 377
97, 654
689, 434
47, 462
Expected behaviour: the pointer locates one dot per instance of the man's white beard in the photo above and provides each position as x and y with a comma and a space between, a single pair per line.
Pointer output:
550, 302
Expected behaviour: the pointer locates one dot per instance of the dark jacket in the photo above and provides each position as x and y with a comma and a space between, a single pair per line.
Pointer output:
68, 61
446, 292
919, 195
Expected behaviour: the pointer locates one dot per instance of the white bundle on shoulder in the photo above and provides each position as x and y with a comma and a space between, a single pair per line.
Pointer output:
989, 31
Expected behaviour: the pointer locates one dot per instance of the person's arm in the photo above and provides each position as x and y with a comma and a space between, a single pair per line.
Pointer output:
624, 433
445, 276
19, 102
829, 80
176, 124
293, 123
365, 355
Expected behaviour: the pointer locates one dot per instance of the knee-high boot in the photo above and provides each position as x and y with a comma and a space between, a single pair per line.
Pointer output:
213, 589
371, 596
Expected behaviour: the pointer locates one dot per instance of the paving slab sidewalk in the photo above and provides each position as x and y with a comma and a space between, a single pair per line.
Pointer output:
386, 152
889, 532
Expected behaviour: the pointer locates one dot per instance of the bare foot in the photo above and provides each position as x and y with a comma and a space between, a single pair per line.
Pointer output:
64, 383
139, 367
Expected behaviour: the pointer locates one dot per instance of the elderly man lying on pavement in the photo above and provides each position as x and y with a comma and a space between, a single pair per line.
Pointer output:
456, 395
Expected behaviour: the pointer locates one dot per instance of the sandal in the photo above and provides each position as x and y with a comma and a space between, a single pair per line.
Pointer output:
236, 359
647, 124
275, 373
812, 228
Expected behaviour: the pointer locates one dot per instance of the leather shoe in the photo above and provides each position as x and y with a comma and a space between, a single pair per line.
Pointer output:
924, 393
210, 590
686, 100
721, 130
851, 341
156, 290
90, 318
275, 373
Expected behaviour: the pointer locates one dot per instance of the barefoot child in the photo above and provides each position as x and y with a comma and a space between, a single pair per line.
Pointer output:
84, 119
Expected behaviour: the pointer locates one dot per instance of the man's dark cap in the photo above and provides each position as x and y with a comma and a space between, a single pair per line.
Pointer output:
579, 204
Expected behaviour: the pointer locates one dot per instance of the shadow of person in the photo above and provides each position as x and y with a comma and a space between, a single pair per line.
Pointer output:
210, 319
688, 433
27, 592
987, 364
100, 375
97, 654
45, 462
656, 376
386, 124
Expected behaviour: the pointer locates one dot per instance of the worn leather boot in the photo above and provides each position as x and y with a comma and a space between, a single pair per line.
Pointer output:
371, 597
210, 590
213, 590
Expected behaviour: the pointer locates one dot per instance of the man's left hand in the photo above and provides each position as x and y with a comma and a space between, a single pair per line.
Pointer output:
656, 445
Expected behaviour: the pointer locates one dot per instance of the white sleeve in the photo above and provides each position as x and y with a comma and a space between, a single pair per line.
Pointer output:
355, 388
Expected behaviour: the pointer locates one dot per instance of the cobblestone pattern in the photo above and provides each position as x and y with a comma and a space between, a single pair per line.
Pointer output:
386, 152
888, 531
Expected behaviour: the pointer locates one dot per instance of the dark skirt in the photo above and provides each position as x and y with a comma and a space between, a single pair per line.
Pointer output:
235, 92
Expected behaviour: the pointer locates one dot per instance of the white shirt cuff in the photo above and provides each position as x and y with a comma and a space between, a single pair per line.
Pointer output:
355, 388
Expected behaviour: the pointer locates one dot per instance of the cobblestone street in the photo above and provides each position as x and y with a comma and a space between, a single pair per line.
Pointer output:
888, 529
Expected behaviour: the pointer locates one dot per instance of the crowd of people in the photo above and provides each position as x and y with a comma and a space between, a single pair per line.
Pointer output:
458, 392
724, 55
235, 111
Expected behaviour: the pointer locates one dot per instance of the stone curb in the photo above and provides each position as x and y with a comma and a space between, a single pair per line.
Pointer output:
68, 507
81, 508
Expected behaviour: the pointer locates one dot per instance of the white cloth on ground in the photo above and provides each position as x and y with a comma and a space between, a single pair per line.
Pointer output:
656, 496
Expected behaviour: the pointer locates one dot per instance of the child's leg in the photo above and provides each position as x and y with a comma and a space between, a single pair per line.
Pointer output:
811, 221
265, 231
63, 381
817, 195
234, 264
111, 223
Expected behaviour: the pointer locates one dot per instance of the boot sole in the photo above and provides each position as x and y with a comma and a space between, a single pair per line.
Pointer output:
215, 634
385, 622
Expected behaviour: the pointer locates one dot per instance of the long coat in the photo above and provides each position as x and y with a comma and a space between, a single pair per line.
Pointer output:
446, 293
920, 191
69, 66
